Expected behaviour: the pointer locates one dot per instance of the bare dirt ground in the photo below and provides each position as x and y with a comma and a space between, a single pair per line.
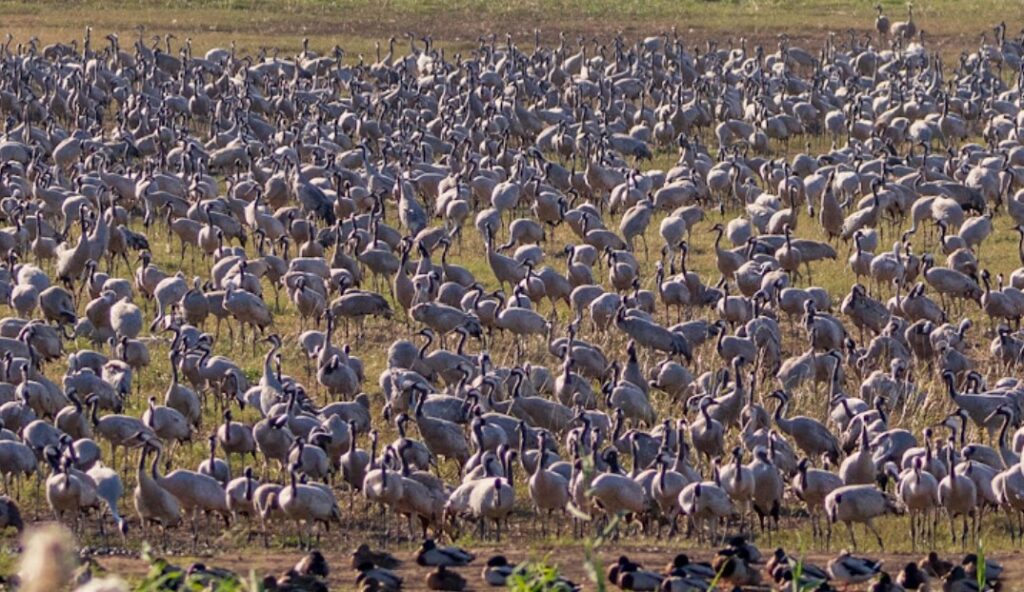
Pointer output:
950, 26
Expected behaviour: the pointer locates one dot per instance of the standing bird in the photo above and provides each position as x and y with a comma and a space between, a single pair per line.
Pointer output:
110, 488
810, 435
881, 22
153, 503
858, 503
958, 495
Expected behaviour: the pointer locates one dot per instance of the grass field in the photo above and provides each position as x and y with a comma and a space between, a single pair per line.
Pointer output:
356, 25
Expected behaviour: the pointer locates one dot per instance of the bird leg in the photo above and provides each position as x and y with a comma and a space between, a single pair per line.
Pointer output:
1020, 527
874, 531
195, 531
384, 523
39, 483
913, 532
853, 538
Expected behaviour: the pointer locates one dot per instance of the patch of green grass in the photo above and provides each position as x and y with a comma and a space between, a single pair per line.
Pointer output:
163, 577
8, 563
536, 576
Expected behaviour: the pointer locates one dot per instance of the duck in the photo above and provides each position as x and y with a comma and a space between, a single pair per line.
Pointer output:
205, 577
737, 542
958, 581
779, 559
497, 571
934, 567
379, 577
885, 584
292, 581
442, 579
682, 566
313, 564
735, 566
684, 584
853, 570
430, 555
622, 564
383, 559
784, 580
639, 580
781, 563
912, 577
992, 568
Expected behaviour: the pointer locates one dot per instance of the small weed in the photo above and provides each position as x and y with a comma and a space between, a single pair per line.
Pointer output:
164, 576
980, 565
537, 576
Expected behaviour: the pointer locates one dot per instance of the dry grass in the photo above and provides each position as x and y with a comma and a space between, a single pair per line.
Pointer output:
357, 24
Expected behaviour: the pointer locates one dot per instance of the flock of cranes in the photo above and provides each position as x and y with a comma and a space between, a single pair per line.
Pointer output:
484, 228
